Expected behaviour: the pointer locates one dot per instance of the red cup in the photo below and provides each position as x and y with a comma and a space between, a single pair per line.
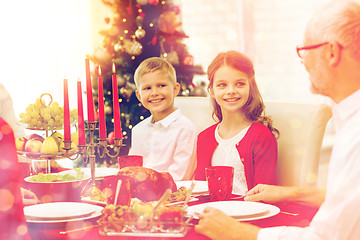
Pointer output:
130, 160
220, 182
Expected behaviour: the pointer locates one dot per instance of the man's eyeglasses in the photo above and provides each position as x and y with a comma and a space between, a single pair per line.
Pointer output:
300, 49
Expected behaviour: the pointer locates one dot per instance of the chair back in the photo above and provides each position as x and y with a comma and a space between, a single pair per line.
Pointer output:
301, 125
197, 109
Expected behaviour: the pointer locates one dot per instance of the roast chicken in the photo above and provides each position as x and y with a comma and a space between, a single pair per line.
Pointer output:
147, 184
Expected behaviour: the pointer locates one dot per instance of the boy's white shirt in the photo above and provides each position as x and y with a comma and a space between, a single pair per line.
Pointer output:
168, 145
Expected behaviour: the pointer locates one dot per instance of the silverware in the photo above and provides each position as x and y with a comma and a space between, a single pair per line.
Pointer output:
288, 213
77, 229
188, 195
118, 185
239, 197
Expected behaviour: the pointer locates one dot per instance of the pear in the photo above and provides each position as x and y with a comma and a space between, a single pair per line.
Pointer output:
49, 146
58, 137
73, 147
75, 138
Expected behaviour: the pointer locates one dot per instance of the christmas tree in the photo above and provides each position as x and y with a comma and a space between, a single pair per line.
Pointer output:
139, 29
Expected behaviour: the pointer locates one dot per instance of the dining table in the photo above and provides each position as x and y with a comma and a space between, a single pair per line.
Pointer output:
291, 214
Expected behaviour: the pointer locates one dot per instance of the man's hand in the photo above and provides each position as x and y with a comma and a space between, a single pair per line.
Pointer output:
275, 194
28, 197
215, 224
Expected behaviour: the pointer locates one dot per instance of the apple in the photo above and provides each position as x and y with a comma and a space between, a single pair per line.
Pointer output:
20, 143
33, 147
110, 139
37, 136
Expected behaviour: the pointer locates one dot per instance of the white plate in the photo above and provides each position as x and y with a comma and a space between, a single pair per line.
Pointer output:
91, 216
200, 186
240, 210
59, 211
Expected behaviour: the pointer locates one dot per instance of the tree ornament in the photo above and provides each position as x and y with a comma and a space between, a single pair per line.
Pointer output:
154, 41
142, 2
185, 92
126, 92
172, 57
168, 22
176, 9
108, 110
118, 47
188, 60
139, 20
140, 33
121, 81
132, 47
154, 2
199, 91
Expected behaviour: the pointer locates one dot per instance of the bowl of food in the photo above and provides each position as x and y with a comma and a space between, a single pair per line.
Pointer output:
58, 187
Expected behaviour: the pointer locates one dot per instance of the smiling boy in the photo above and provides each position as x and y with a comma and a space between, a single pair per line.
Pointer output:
166, 139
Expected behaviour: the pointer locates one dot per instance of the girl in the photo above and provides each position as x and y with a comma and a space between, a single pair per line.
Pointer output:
243, 138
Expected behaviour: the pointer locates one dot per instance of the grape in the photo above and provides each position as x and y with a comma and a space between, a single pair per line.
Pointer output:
55, 105
47, 117
35, 114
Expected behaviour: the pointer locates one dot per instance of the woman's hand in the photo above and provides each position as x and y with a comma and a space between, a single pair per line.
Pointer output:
28, 197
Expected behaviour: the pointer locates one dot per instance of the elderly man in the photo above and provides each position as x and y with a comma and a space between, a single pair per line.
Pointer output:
331, 55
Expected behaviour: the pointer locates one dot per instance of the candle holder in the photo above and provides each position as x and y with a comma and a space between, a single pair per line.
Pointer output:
87, 152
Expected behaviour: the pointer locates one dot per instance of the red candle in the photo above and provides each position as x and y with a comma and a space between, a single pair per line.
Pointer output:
67, 135
116, 107
81, 125
90, 99
102, 125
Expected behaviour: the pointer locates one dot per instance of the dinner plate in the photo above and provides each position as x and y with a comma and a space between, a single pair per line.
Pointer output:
240, 210
60, 211
201, 187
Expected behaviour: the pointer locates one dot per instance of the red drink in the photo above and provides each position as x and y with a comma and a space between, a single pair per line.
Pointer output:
220, 182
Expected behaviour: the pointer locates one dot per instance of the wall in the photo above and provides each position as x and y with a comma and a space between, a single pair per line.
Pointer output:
266, 30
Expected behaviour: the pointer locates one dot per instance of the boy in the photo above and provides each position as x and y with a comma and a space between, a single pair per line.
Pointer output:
166, 139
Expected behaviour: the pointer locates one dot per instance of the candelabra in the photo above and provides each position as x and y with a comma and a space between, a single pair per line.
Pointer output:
87, 152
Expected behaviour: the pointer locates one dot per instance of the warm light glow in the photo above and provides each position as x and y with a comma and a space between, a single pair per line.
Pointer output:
151, 24
113, 68
58, 45
124, 19
99, 70
126, 31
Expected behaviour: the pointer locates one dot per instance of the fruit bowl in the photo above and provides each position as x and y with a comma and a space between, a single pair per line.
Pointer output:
56, 191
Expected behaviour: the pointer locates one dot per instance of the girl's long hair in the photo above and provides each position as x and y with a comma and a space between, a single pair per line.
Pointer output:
254, 107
